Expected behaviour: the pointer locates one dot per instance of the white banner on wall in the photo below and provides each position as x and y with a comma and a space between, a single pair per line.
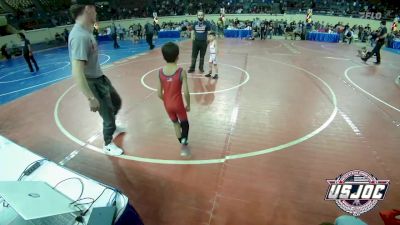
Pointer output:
371, 15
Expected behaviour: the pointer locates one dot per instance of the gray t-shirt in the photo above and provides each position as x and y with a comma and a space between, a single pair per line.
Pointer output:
83, 46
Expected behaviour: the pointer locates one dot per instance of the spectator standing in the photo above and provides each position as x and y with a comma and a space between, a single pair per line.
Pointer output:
28, 53
149, 30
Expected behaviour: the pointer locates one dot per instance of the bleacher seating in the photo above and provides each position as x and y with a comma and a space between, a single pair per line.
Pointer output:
56, 11
46, 3
20, 4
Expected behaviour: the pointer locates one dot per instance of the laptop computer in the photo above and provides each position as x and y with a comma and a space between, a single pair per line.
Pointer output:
102, 216
63, 219
35, 199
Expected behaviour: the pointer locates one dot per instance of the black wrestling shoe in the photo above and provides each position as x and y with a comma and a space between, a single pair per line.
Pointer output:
184, 141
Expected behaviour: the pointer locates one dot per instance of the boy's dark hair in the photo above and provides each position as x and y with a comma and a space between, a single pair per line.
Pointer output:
383, 22
76, 10
212, 33
78, 7
170, 52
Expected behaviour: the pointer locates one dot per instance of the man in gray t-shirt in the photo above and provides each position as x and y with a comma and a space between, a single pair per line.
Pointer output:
86, 70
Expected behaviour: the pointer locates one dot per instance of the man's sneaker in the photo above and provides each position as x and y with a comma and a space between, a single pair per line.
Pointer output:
191, 71
208, 75
201, 70
215, 76
112, 149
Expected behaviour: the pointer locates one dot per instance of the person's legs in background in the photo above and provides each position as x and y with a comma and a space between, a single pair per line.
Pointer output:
378, 52
115, 39
195, 52
28, 61
149, 39
34, 62
203, 49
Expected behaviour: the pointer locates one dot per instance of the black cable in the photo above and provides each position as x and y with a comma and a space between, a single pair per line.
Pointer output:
5, 204
115, 201
3, 201
80, 210
115, 197
73, 178
80, 220
78, 204
84, 213
81, 200
28, 166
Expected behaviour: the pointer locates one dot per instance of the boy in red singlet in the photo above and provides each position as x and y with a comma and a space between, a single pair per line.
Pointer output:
171, 79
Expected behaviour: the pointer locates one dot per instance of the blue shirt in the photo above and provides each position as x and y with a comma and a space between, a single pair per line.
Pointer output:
201, 30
